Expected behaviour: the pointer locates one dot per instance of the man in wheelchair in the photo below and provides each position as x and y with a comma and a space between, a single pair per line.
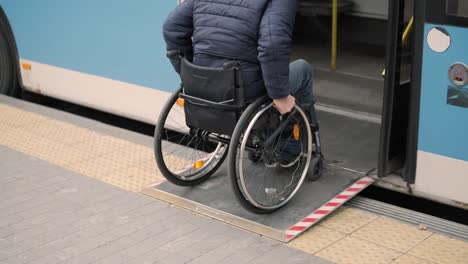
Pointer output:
206, 42
257, 34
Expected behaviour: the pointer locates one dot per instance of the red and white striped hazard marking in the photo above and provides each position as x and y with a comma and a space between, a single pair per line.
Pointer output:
327, 208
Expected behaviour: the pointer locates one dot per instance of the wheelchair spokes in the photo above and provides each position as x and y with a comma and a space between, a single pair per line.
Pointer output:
272, 157
185, 156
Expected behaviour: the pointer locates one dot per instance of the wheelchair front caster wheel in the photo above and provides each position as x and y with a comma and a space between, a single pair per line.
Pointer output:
316, 168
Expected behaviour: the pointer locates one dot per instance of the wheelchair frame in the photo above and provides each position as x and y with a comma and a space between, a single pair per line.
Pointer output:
197, 77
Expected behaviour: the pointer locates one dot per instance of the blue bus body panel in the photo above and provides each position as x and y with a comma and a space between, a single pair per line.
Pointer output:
116, 39
443, 127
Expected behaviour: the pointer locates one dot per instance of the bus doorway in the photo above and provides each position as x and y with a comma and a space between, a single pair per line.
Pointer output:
350, 89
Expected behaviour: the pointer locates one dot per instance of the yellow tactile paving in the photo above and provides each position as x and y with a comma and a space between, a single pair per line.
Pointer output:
104, 141
315, 239
16, 118
4, 128
60, 131
110, 159
392, 234
97, 167
107, 158
443, 250
408, 259
132, 154
99, 145
17, 138
348, 220
138, 175
354, 236
52, 151
354, 250
348, 236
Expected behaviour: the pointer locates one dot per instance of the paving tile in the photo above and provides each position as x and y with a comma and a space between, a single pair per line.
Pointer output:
29, 207
25, 189
392, 234
443, 250
107, 141
347, 220
315, 239
102, 144
126, 242
408, 259
124, 134
153, 242
194, 246
257, 249
81, 238
15, 117
10, 251
232, 246
96, 168
21, 258
150, 257
19, 139
135, 178
50, 259
61, 132
58, 153
282, 254
354, 250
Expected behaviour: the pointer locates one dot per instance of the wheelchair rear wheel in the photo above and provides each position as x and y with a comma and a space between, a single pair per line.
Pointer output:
269, 156
184, 155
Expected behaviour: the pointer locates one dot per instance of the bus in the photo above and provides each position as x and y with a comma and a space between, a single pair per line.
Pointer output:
110, 55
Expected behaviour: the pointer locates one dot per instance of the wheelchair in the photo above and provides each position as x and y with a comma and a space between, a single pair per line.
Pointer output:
207, 120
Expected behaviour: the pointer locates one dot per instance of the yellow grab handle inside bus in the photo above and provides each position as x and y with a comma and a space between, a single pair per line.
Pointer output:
405, 37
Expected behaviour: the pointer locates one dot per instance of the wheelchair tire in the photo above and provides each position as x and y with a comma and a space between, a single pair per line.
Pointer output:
194, 175
247, 198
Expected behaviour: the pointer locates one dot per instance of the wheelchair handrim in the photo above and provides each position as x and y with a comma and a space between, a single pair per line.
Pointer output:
210, 160
243, 186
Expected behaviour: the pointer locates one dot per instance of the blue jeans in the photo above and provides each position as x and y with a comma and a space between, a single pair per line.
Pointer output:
301, 81
301, 86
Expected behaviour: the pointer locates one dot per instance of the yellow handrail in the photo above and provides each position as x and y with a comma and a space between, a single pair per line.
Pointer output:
405, 37
334, 33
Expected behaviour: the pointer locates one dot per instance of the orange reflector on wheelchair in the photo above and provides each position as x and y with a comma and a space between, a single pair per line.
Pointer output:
296, 132
180, 102
197, 165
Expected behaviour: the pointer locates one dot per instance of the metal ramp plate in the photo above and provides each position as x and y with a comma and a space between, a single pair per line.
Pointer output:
349, 142
315, 200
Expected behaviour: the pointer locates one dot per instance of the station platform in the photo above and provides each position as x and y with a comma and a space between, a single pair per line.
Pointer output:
57, 169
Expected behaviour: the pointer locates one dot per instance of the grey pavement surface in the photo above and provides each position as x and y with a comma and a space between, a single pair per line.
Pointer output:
51, 215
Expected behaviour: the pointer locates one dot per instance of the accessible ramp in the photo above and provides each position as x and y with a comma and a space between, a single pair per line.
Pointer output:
314, 200
350, 146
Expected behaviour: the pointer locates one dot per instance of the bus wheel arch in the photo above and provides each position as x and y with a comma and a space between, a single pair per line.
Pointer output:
10, 74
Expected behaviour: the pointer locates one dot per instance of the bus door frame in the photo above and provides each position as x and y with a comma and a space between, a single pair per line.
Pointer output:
394, 127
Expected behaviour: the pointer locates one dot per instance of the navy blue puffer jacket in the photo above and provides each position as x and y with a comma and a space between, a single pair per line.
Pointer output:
255, 32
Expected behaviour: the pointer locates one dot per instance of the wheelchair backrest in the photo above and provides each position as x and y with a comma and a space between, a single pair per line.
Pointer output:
214, 96
216, 87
